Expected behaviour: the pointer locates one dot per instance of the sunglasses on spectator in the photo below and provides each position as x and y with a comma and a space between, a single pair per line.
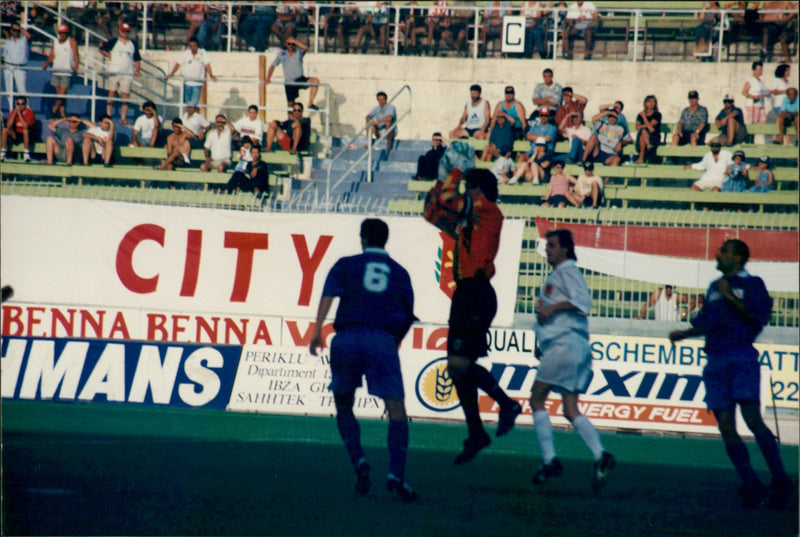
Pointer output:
298, 109
21, 103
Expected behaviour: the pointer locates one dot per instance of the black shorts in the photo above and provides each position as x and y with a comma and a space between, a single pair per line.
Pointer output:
293, 91
471, 313
686, 137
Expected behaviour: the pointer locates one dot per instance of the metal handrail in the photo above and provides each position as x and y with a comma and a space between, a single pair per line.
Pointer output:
368, 154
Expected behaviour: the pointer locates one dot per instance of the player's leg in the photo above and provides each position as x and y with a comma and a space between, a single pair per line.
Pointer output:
780, 486
397, 441
477, 439
604, 462
551, 466
752, 490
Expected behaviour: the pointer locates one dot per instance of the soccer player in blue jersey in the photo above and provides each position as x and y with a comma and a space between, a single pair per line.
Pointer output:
736, 308
376, 309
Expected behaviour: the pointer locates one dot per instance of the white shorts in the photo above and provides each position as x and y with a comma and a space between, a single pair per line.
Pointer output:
708, 181
566, 363
121, 83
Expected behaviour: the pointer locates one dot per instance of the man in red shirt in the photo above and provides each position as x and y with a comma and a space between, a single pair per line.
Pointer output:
19, 127
475, 221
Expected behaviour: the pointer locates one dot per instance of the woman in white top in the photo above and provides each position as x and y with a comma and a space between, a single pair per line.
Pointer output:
755, 93
777, 92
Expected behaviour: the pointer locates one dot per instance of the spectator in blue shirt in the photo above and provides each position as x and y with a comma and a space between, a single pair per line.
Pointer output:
787, 116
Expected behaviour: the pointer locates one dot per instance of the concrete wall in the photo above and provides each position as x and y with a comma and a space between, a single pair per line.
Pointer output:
440, 86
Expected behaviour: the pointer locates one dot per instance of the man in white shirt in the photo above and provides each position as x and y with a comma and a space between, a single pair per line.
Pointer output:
123, 64
147, 126
249, 125
715, 164
197, 123
218, 146
581, 20
15, 55
98, 141
196, 64
64, 58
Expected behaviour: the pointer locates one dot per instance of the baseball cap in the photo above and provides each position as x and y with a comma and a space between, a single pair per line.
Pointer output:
509, 89
763, 158
62, 29
125, 26
541, 140
588, 165
728, 97
693, 94
612, 110
544, 111
738, 154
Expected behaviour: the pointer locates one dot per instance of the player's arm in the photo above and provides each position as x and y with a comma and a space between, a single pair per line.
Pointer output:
325, 303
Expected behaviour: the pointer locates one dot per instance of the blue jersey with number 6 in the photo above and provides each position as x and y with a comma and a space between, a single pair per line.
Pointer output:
374, 291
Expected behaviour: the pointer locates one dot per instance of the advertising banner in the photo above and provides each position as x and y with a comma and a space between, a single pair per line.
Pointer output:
83, 370
197, 260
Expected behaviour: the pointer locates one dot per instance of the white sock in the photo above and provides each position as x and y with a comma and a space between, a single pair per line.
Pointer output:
544, 433
589, 435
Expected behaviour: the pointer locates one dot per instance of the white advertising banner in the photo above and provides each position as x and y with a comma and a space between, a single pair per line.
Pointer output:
194, 260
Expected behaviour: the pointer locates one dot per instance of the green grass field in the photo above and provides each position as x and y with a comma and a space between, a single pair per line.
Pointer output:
81, 469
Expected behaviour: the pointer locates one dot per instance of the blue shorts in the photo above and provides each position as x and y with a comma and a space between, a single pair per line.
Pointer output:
369, 352
731, 380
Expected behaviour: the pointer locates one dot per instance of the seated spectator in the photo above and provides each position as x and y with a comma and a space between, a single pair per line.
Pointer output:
648, 125
541, 128
558, 187
413, 24
777, 92
514, 112
736, 174
787, 116
504, 167
244, 154
693, 123
19, 127
588, 189
148, 126
292, 135
218, 146
618, 106
374, 23
65, 135
500, 135
253, 25
570, 103
730, 122
536, 167
715, 165
193, 120
253, 177
428, 164
492, 26
709, 18
284, 26
778, 27
764, 178
178, 147
455, 36
348, 18
250, 126
209, 35
474, 121
755, 93
577, 135
581, 21
535, 29
605, 145
382, 118
98, 141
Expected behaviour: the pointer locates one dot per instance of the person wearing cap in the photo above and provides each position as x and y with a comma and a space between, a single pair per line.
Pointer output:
15, 54
730, 122
534, 168
542, 128
693, 123
588, 188
570, 102
609, 137
715, 165
765, 179
475, 119
64, 58
736, 174
514, 111
547, 93
196, 65
618, 106
755, 93
124, 61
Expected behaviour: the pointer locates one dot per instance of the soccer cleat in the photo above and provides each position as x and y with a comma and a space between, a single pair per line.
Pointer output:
506, 419
780, 492
546, 471
362, 477
472, 447
753, 496
602, 468
403, 489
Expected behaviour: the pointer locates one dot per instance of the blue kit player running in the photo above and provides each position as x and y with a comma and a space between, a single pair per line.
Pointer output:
562, 340
376, 309
736, 308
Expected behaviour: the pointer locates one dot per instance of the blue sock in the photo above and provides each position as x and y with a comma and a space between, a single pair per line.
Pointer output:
737, 452
769, 448
350, 433
397, 441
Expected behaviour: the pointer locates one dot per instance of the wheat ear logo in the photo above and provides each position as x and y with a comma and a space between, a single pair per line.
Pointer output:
435, 388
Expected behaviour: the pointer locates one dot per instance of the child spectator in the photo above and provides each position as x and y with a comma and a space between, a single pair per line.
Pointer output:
504, 166
588, 188
765, 178
736, 174
558, 189
244, 154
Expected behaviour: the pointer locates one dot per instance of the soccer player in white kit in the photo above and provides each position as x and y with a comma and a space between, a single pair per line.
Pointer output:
562, 339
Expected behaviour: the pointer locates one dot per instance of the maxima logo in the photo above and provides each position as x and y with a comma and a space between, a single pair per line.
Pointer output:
435, 388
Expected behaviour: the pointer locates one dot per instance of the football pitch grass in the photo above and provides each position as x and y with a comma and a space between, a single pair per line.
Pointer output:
87, 469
